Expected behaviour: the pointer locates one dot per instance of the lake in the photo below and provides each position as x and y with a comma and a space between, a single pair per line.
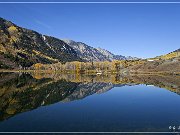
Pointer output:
55, 102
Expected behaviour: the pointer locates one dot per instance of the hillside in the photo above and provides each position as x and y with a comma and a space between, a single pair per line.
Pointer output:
170, 55
153, 65
86, 52
21, 47
165, 63
89, 53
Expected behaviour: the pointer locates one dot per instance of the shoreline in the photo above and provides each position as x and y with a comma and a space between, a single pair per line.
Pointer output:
91, 72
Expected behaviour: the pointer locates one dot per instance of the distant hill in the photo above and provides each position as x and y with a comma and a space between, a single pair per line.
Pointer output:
170, 55
165, 63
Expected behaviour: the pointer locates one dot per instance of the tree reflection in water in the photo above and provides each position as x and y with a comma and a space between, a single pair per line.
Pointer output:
21, 92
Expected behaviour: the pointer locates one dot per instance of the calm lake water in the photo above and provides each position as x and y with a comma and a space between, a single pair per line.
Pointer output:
52, 102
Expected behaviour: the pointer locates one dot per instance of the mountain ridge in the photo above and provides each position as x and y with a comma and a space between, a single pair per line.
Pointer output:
90, 53
23, 47
26, 47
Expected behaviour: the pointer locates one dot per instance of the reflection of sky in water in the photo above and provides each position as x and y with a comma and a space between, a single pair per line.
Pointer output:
127, 108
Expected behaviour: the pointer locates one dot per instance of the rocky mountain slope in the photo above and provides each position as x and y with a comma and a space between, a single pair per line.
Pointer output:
86, 52
89, 53
21, 47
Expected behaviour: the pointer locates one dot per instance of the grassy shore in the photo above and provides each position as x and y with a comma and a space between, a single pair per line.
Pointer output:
90, 72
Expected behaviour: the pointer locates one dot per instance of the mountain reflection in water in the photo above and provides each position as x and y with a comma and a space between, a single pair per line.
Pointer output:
21, 92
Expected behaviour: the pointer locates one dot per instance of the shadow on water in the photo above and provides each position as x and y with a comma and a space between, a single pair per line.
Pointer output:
22, 92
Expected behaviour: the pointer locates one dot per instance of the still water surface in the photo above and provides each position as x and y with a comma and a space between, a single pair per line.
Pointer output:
136, 103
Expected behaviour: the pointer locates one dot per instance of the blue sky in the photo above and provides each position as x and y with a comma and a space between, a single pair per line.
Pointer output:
141, 30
